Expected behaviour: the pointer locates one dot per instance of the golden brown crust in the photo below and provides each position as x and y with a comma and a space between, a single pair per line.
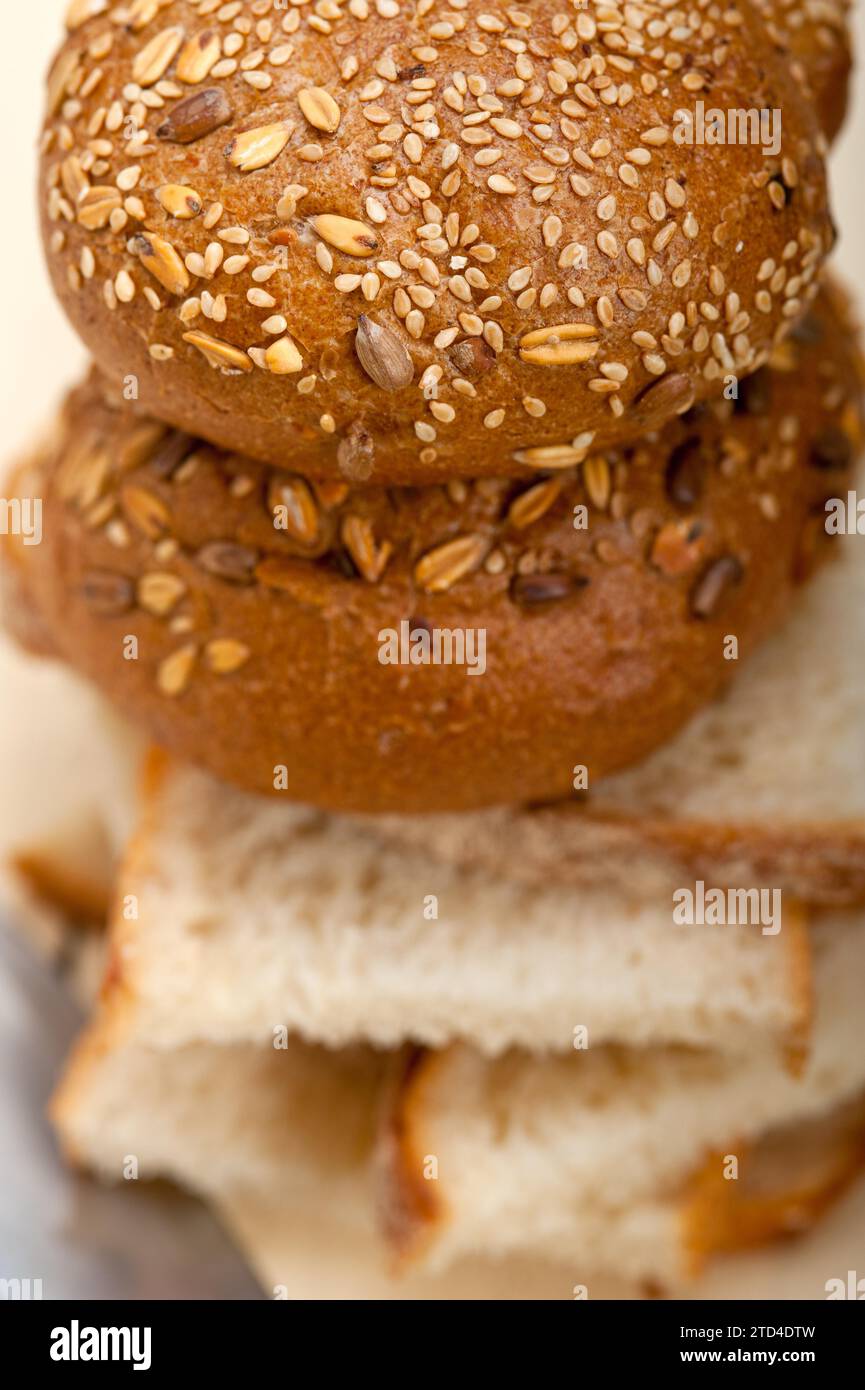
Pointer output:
410, 1207
663, 266
104, 1033
252, 657
788, 1178
787, 1181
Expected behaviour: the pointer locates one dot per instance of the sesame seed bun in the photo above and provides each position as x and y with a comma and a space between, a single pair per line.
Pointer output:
408, 244
813, 38
607, 595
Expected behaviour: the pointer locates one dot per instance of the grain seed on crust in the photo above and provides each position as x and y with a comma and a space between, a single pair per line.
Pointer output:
195, 117
224, 655
319, 108
359, 540
175, 672
560, 345
439, 569
160, 258
714, 584
346, 235
219, 354
255, 149
383, 357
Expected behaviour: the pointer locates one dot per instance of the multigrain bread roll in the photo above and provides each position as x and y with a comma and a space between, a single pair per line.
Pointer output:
813, 38
406, 244
278, 658
764, 786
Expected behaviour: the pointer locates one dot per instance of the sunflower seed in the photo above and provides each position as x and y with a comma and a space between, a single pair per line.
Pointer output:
686, 471
672, 395
196, 116
229, 561
714, 584
355, 453
106, 594
383, 357
534, 590
173, 449
472, 357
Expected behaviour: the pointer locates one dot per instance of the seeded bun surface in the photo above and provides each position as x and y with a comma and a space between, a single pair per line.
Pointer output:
258, 646
813, 38
435, 240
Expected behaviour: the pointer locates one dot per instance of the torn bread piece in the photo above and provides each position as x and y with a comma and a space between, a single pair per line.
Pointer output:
596, 1153
283, 1142
765, 786
238, 1119
252, 916
280, 1140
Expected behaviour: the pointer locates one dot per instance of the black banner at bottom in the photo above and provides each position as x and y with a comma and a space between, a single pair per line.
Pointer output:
234, 1338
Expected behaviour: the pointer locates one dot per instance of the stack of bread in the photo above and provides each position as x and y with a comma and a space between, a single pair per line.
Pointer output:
448, 506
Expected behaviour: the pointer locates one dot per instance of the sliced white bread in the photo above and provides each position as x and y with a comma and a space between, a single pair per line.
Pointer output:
236, 916
237, 1119
283, 1141
766, 786
596, 1152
